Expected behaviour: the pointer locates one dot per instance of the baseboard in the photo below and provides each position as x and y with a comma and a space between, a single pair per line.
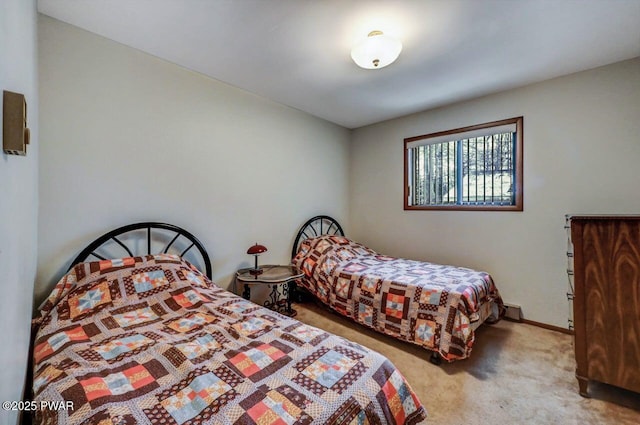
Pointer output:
545, 326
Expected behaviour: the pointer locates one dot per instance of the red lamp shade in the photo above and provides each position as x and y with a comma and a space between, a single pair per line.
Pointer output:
256, 249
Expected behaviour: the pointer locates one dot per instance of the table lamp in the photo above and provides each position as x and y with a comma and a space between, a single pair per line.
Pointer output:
256, 250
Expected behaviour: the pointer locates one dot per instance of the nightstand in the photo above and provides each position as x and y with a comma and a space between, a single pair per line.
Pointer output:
275, 276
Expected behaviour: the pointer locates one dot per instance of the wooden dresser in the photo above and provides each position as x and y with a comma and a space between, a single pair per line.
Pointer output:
606, 306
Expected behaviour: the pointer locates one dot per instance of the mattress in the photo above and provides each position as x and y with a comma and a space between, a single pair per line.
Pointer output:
152, 340
435, 306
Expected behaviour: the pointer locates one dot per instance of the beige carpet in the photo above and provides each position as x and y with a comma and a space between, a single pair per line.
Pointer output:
517, 374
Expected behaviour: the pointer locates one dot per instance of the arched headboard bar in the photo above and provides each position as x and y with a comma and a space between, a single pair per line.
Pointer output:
166, 248
186, 250
316, 225
92, 248
123, 245
98, 256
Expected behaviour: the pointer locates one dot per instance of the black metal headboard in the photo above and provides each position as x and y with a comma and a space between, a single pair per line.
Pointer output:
139, 238
316, 226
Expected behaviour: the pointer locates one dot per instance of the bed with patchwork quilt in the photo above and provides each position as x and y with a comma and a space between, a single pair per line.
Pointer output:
435, 306
150, 339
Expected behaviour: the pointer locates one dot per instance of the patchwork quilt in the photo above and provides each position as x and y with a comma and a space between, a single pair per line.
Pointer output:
152, 340
431, 305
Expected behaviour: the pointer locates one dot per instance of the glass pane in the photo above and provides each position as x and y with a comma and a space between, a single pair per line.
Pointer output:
486, 174
487, 170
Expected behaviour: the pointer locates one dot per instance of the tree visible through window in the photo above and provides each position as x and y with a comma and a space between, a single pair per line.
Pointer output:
478, 167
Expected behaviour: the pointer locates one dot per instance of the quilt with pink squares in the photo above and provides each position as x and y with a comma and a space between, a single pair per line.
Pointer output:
151, 340
431, 305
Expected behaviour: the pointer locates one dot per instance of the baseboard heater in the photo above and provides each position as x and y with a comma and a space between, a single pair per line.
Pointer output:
514, 312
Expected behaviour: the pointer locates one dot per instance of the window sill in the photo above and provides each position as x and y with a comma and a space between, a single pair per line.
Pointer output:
515, 208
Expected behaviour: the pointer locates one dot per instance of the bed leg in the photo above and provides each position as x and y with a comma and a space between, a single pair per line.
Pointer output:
435, 358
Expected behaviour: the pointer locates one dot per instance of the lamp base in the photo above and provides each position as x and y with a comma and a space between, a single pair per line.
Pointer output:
256, 272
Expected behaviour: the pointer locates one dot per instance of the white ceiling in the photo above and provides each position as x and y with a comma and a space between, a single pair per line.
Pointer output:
297, 52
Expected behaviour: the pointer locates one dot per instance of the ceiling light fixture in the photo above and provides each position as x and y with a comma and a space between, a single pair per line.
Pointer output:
376, 51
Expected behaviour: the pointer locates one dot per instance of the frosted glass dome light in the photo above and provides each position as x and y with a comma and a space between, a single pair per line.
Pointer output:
376, 51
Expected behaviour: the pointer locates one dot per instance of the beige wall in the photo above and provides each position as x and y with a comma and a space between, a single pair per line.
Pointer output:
128, 137
581, 155
18, 201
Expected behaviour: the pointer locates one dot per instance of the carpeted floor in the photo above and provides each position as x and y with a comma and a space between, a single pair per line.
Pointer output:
517, 374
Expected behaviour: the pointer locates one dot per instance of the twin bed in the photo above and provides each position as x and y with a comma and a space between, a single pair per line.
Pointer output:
435, 306
150, 339
132, 337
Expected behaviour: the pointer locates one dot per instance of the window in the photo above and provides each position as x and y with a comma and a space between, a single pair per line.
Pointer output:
471, 168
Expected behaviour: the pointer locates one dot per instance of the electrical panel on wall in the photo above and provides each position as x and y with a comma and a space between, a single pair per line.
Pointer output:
15, 134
